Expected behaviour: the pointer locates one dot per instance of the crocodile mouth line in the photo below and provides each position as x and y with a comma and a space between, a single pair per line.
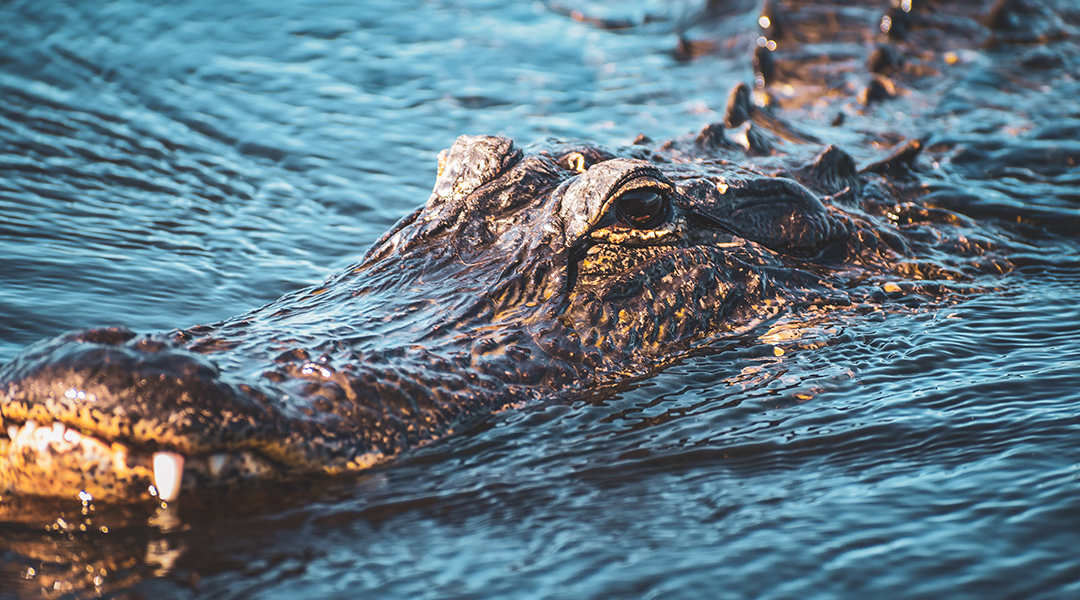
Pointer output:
55, 460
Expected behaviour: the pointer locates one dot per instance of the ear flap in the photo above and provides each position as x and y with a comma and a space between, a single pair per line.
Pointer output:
776, 212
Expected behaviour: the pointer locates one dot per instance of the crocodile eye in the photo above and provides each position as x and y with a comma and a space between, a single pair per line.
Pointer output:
642, 208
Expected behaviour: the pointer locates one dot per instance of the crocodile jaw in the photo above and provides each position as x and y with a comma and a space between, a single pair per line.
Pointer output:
54, 460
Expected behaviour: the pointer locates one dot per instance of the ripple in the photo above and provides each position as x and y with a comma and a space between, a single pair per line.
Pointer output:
168, 164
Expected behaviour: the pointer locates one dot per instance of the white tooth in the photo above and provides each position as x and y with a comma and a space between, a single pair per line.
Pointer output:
168, 473
12, 431
216, 464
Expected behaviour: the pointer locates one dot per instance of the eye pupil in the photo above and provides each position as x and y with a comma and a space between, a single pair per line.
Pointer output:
642, 208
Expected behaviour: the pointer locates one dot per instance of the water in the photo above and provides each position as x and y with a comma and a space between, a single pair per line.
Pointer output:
166, 164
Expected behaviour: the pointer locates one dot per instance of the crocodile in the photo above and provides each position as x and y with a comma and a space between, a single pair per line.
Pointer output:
529, 274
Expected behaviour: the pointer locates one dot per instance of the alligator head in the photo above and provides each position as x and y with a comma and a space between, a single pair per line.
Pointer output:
525, 275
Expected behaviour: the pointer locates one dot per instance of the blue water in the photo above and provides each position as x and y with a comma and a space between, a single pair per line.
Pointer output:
167, 164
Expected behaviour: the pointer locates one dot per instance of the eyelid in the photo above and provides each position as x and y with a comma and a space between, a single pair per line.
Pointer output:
640, 181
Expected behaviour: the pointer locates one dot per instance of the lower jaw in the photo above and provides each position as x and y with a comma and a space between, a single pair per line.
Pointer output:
52, 460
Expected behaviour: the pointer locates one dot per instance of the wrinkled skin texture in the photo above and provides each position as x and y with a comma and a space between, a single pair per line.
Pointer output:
527, 275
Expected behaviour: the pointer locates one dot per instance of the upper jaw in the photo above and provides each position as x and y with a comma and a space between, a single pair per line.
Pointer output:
98, 412
51, 459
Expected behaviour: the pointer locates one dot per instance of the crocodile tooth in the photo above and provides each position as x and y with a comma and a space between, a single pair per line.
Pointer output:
12, 431
168, 473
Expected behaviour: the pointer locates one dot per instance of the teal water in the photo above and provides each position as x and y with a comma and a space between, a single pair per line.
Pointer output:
167, 164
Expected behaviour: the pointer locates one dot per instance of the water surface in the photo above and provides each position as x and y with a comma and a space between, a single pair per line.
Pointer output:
167, 164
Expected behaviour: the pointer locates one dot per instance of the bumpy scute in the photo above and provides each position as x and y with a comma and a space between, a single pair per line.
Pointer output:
526, 275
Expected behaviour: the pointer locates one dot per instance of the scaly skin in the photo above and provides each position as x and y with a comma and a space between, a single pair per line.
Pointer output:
525, 276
